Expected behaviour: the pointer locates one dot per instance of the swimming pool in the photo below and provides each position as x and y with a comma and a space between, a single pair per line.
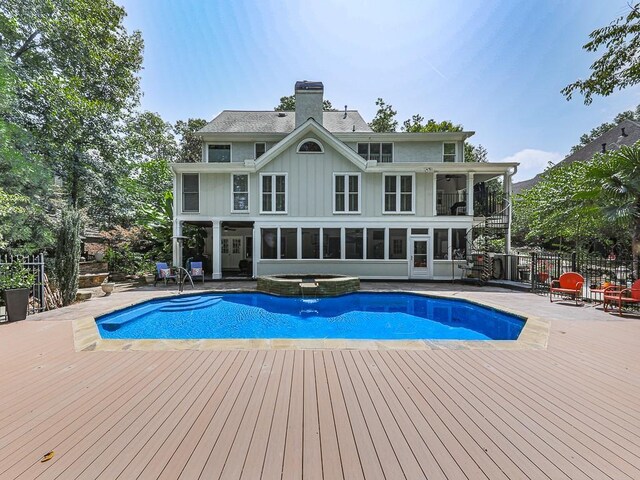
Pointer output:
365, 316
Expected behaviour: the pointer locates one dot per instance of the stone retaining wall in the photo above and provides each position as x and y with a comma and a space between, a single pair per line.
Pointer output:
290, 287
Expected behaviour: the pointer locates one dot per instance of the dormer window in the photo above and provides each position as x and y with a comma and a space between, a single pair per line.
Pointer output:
310, 146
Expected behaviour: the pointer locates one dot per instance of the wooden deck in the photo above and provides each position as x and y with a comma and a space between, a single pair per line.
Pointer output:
568, 412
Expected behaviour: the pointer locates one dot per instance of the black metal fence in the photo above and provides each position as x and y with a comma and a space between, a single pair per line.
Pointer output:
35, 264
540, 268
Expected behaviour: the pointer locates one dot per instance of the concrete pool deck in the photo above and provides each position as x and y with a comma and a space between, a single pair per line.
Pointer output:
569, 410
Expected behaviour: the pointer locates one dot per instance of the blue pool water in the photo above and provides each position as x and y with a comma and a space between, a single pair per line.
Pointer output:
374, 316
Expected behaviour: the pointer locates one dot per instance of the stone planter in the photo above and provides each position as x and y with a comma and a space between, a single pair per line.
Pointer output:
108, 287
150, 278
16, 302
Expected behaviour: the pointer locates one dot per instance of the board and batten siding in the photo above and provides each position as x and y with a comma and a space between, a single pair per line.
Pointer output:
310, 189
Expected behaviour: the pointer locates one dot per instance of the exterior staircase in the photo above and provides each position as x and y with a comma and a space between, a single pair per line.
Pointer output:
487, 237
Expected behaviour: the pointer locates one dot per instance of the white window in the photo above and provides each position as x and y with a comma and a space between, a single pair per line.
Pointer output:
310, 145
190, 192
273, 193
240, 193
259, 149
448, 152
380, 152
219, 152
346, 193
398, 193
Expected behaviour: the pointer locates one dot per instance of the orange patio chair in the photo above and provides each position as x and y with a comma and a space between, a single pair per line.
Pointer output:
616, 295
569, 284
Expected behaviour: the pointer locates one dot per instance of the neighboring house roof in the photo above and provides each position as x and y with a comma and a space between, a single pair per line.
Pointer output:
234, 121
613, 139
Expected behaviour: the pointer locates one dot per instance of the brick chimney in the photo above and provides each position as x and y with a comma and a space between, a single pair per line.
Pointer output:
309, 101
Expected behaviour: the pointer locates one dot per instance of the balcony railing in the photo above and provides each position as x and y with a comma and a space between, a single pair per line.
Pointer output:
378, 157
451, 203
484, 204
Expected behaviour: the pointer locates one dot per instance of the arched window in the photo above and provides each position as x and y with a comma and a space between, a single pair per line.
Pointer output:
310, 145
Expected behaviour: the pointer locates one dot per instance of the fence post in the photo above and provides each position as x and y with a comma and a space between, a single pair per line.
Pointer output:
534, 272
574, 265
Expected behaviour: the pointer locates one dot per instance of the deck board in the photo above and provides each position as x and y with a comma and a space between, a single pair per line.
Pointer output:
569, 411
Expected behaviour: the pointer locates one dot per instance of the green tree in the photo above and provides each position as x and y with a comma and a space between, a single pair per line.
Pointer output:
67, 261
613, 183
385, 119
78, 72
288, 104
619, 65
189, 145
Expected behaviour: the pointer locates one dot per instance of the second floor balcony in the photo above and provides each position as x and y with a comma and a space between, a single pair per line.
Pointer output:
485, 204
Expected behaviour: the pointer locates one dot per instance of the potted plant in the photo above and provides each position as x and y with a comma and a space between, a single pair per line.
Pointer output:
15, 282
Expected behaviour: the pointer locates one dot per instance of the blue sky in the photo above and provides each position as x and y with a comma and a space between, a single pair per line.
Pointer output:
497, 67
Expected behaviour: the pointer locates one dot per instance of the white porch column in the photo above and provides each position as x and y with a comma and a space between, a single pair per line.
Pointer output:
434, 180
506, 185
216, 259
470, 193
177, 251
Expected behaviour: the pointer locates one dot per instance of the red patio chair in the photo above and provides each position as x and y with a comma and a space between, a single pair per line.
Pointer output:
617, 295
569, 284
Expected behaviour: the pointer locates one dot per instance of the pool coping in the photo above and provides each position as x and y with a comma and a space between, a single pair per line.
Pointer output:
534, 336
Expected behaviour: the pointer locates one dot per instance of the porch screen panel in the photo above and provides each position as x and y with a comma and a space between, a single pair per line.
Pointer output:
375, 243
353, 243
440, 243
459, 243
190, 192
310, 243
331, 242
269, 243
397, 243
289, 243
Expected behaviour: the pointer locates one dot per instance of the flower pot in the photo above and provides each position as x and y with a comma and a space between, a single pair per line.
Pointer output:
150, 278
108, 287
16, 301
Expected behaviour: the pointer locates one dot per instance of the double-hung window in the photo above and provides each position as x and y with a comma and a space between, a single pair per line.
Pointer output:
346, 193
219, 153
190, 192
448, 152
380, 152
273, 193
240, 189
398, 193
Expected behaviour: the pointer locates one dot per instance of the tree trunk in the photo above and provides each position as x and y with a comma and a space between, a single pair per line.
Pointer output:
635, 249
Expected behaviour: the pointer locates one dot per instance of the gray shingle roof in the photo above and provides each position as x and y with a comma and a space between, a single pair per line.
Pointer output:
613, 139
233, 121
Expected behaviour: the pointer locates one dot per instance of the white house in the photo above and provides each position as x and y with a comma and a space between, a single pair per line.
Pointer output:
319, 192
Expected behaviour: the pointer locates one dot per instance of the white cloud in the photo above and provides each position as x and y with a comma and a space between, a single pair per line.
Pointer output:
532, 162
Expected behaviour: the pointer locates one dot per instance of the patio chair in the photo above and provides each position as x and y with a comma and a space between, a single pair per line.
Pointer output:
196, 270
569, 285
616, 295
164, 273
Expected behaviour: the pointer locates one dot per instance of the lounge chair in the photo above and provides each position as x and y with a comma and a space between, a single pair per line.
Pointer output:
616, 295
164, 273
196, 270
569, 284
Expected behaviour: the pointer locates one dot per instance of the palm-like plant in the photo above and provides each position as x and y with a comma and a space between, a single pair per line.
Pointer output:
613, 181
